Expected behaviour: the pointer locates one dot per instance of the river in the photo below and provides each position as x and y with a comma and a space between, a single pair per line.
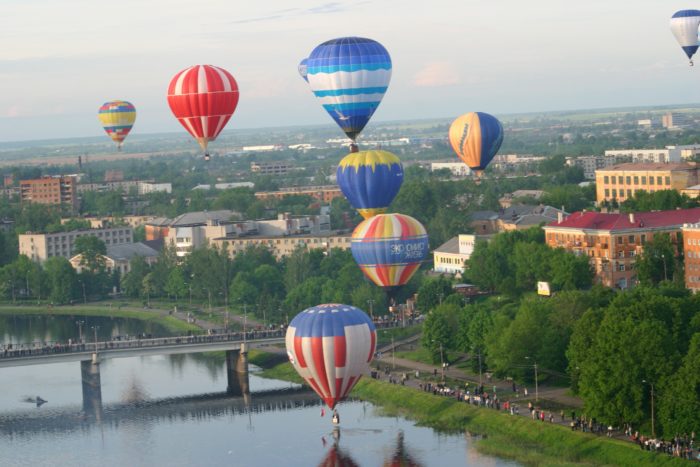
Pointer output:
173, 410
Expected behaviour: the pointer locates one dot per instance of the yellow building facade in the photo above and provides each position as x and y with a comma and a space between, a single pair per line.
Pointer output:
620, 182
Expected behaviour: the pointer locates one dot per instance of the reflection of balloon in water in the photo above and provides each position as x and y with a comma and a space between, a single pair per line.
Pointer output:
302, 68
331, 346
401, 457
684, 26
370, 180
203, 98
350, 76
337, 457
117, 118
389, 248
476, 138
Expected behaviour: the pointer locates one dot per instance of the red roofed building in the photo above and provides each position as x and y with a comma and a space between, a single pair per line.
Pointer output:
613, 241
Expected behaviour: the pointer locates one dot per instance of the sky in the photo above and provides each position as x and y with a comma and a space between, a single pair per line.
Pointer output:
60, 60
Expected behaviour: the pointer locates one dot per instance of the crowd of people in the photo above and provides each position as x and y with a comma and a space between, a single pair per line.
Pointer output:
679, 446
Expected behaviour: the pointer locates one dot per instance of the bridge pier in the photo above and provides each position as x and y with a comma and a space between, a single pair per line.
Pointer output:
92, 388
237, 371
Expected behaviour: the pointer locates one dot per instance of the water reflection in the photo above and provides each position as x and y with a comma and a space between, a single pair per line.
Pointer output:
337, 457
401, 456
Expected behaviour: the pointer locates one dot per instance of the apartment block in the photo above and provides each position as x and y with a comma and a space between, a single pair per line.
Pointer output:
285, 246
691, 249
620, 182
42, 246
612, 242
271, 168
323, 193
53, 190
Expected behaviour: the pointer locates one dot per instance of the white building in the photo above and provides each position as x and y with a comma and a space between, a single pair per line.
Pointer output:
668, 154
590, 164
42, 246
145, 188
458, 169
451, 255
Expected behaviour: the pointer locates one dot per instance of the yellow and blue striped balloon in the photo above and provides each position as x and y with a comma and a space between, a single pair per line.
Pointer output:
476, 138
389, 248
117, 118
370, 180
350, 76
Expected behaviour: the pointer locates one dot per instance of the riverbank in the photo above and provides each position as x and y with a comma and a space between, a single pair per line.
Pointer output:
162, 318
499, 433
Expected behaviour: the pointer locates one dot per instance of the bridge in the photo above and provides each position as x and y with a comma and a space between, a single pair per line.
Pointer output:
66, 419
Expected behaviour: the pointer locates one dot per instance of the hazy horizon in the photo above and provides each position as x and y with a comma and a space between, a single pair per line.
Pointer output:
62, 60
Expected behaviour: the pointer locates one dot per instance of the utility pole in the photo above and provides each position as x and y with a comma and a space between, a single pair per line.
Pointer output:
370, 302
80, 329
245, 322
653, 431
442, 363
393, 353
537, 394
95, 328
480, 382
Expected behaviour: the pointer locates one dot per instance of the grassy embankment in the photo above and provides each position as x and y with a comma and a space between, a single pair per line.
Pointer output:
502, 435
170, 323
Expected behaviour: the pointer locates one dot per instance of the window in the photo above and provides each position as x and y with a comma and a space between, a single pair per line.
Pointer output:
668, 180
606, 179
620, 267
630, 239
643, 238
607, 193
614, 179
614, 193
658, 181
651, 180
636, 180
628, 179
644, 180
629, 193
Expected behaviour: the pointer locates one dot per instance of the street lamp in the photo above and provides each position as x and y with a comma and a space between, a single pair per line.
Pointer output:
94, 329
84, 295
537, 394
442, 362
245, 322
370, 302
653, 431
80, 323
663, 259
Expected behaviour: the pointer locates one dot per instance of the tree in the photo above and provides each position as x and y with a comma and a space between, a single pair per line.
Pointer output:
133, 280
439, 330
242, 290
432, 293
61, 278
658, 261
92, 250
175, 285
680, 397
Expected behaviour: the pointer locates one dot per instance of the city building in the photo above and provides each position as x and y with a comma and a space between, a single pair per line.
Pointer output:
676, 120
324, 193
620, 182
159, 227
515, 217
225, 186
42, 246
451, 255
458, 169
613, 241
145, 187
111, 221
114, 175
691, 249
54, 190
507, 200
185, 238
119, 257
281, 246
271, 168
263, 148
590, 164
674, 153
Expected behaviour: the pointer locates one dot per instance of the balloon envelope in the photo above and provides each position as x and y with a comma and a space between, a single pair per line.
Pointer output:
370, 180
389, 248
203, 98
350, 76
331, 346
476, 138
117, 118
303, 69
684, 26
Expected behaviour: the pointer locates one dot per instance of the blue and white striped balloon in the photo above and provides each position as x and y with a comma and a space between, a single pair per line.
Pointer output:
350, 75
684, 26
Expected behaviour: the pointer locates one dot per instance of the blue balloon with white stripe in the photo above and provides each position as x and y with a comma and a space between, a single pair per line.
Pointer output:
350, 76
684, 26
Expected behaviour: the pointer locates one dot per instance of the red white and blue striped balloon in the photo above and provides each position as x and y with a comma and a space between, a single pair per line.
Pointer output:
331, 347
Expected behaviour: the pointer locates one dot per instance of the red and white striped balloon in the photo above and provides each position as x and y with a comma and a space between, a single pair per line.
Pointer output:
203, 98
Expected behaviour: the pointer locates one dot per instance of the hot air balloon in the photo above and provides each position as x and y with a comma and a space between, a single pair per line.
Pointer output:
350, 76
331, 346
203, 98
303, 69
476, 138
117, 118
684, 26
370, 180
389, 248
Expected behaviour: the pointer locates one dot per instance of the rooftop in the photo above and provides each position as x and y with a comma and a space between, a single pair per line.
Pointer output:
126, 251
606, 221
649, 166
450, 246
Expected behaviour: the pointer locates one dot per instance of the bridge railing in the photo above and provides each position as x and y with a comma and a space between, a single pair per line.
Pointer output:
51, 348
